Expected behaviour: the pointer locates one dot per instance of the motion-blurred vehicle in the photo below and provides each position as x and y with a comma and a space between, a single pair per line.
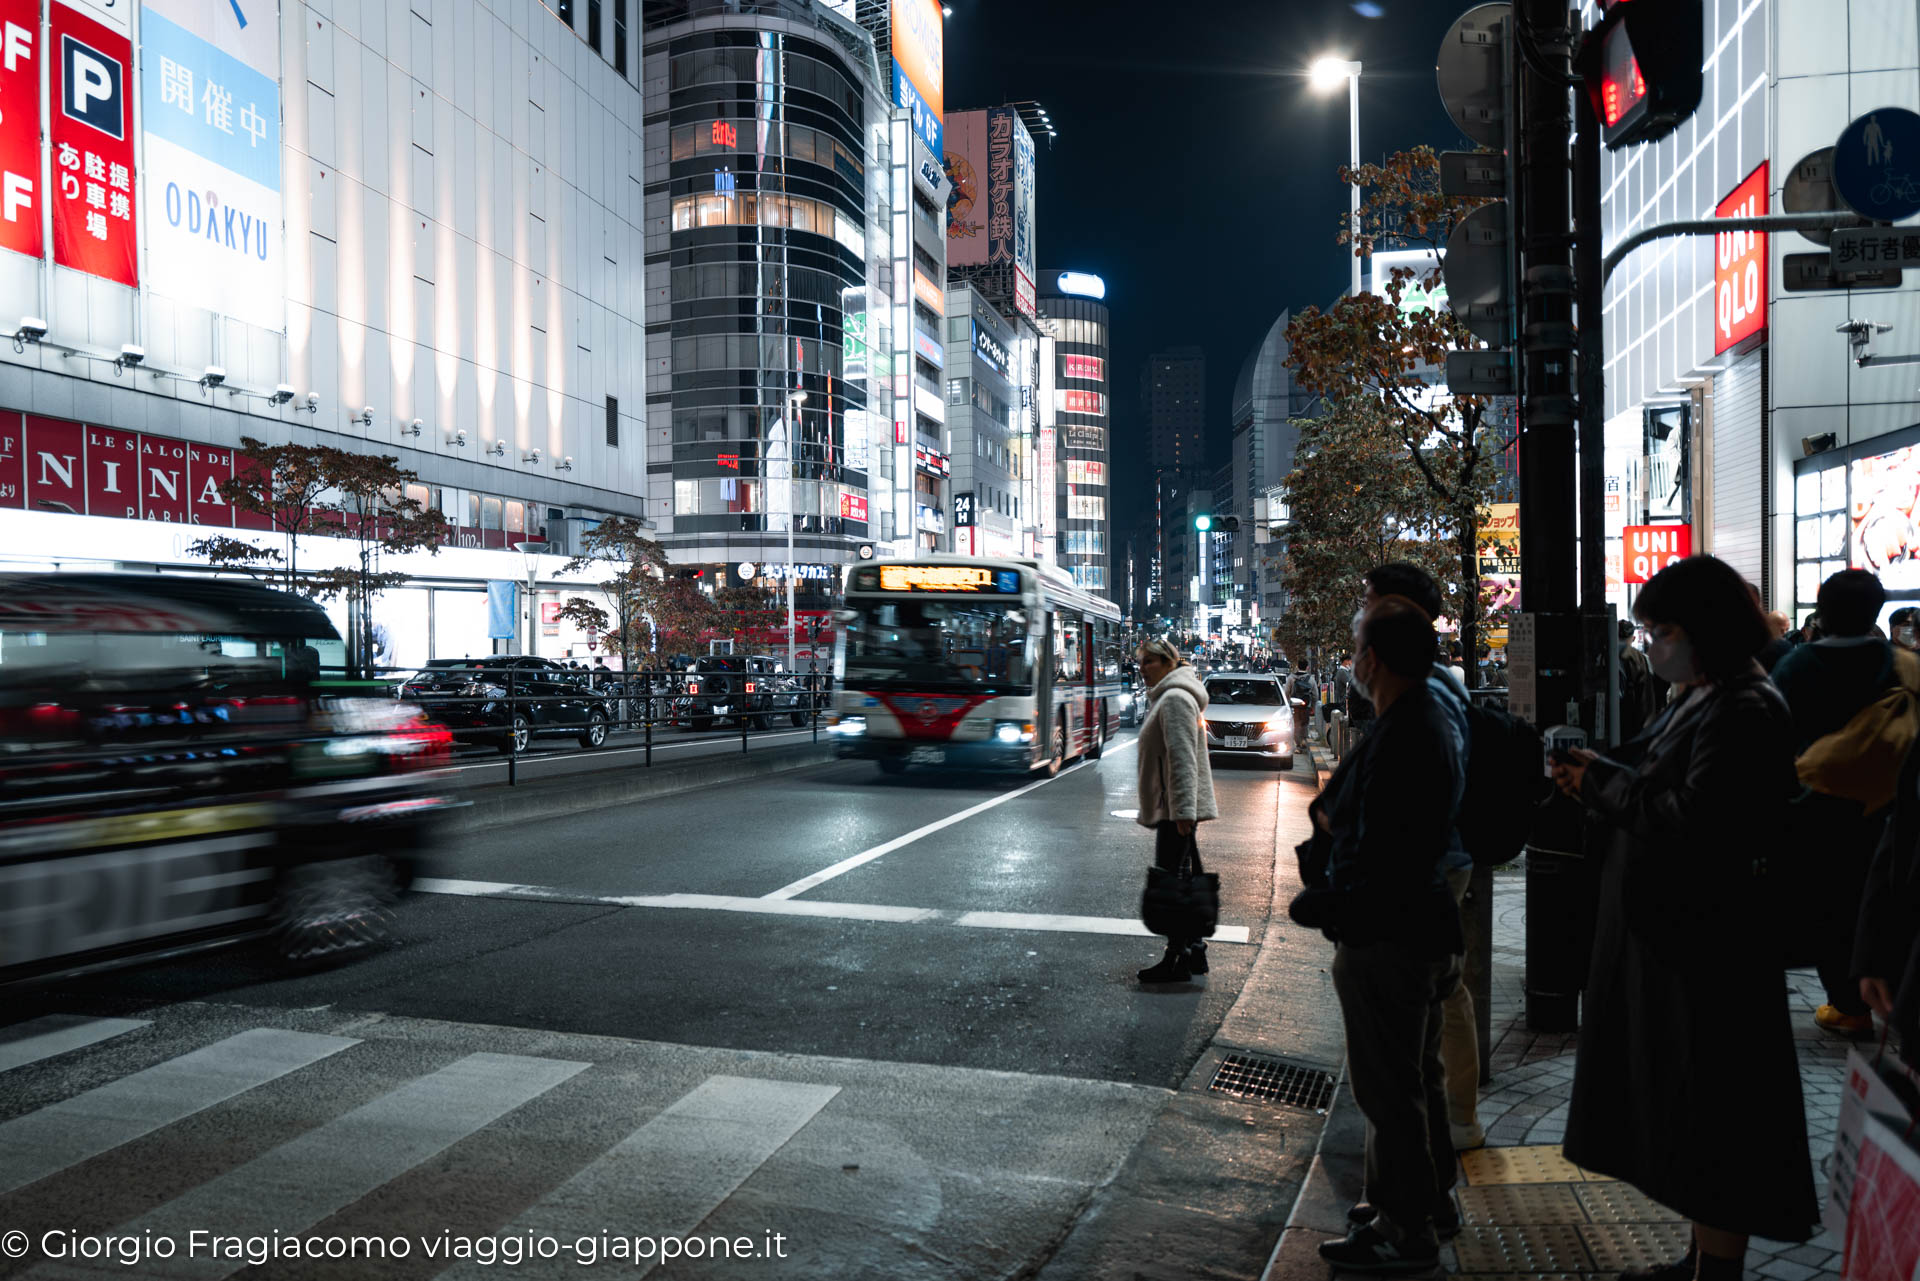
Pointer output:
509, 700
1249, 714
173, 773
1133, 705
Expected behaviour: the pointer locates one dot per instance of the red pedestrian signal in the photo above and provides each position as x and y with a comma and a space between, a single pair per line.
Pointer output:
1642, 68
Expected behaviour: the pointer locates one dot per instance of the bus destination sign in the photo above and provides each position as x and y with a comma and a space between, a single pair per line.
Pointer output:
948, 578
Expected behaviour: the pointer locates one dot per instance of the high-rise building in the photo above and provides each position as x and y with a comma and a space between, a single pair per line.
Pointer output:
1173, 392
1076, 322
986, 424
1266, 405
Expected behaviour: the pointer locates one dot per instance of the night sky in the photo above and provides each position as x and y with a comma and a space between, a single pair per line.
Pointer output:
1195, 167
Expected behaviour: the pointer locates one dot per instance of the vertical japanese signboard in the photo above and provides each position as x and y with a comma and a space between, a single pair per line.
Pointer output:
1023, 229
91, 136
919, 67
1740, 267
20, 182
1001, 123
210, 111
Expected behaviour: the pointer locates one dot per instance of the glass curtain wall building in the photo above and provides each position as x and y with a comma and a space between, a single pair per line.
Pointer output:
1079, 326
767, 211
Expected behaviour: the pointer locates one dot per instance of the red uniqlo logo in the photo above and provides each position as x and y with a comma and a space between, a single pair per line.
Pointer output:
1740, 266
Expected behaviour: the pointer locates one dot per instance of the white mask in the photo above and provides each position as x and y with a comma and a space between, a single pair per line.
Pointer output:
1672, 657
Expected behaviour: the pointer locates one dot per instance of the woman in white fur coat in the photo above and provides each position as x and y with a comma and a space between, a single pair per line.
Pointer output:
1176, 783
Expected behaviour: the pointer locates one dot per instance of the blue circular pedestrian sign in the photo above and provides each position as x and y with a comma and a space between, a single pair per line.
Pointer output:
1876, 164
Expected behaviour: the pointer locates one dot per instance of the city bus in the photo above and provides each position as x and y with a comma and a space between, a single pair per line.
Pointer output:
974, 663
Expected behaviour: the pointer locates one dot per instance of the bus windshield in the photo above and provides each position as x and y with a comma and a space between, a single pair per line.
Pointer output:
976, 645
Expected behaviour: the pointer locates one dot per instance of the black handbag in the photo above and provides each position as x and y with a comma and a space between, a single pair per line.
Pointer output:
1179, 904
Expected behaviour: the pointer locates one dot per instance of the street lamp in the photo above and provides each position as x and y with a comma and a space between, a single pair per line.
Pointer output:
795, 399
1326, 75
531, 549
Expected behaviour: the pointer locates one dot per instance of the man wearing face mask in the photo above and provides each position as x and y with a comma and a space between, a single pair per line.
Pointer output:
1386, 823
1826, 684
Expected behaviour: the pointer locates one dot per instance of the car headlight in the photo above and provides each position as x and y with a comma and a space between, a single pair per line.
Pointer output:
1278, 725
848, 725
1013, 731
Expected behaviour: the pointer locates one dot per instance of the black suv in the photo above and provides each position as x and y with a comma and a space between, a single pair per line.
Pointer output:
173, 771
748, 688
516, 695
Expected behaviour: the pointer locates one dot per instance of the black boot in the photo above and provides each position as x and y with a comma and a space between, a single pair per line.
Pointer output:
1197, 958
1172, 968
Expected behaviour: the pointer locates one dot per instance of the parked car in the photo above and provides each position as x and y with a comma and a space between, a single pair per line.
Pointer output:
750, 688
1248, 714
509, 700
1133, 705
175, 775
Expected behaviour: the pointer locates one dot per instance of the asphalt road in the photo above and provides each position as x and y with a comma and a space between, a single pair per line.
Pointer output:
945, 963
557, 756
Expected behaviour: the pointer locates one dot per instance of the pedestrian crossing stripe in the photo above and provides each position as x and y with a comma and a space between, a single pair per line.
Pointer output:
57, 1034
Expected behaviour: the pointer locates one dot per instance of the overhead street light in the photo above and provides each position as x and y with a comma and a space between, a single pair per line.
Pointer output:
1326, 75
531, 549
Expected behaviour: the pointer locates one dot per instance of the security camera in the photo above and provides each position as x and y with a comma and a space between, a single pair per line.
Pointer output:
364, 417
130, 356
564, 464
313, 402
499, 449
457, 439
413, 428
32, 329
213, 377
533, 457
281, 395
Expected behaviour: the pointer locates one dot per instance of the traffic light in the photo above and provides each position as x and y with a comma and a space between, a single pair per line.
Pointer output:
1225, 525
1203, 522
1642, 68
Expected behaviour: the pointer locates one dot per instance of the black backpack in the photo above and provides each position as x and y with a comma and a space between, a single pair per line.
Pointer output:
1506, 781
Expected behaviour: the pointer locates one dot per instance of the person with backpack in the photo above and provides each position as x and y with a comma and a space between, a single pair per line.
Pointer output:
1827, 685
1459, 1033
1639, 694
1686, 1081
1375, 884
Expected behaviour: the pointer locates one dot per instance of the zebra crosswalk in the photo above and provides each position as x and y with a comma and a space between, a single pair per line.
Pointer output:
210, 1140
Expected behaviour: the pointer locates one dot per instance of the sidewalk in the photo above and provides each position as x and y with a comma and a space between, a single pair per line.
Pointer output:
1528, 1212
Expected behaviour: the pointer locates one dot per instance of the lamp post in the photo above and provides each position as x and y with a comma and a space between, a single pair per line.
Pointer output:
531, 549
795, 399
1326, 75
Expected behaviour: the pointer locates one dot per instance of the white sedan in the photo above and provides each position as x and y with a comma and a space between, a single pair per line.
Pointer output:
1248, 714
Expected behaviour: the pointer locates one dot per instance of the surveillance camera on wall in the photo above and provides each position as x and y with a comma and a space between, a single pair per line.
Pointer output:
457, 439
313, 402
413, 428
213, 377
32, 329
533, 457
281, 395
130, 355
364, 417
564, 464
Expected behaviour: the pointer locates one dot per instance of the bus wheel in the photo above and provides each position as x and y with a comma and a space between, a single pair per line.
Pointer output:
1099, 746
892, 765
1059, 761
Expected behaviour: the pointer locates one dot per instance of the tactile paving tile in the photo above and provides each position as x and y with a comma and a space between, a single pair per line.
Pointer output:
1549, 1247
1515, 1203
1540, 1163
1609, 1202
1617, 1247
1530, 1276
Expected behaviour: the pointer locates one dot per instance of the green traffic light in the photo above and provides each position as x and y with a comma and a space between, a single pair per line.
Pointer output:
1203, 522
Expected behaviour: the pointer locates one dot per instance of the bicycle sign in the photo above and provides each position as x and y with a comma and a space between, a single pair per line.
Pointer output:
1876, 164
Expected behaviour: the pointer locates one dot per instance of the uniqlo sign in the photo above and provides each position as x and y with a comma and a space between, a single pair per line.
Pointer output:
1740, 267
20, 183
1651, 548
91, 137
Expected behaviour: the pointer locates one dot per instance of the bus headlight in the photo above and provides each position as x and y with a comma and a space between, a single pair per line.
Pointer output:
1013, 731
848, 725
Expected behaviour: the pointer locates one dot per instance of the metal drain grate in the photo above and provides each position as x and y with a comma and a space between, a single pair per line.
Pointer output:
1251, 1076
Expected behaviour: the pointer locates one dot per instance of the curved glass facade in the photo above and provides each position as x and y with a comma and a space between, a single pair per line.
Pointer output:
762, 174
1081, 413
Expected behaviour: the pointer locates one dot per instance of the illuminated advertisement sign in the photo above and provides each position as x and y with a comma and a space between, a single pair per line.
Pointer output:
1081, 284
210, 110
1083, 367
944, 578
1740, 267
1023, 190
963, 511
932, 461
20, 127
1073, 401
1497, 546
90, 134
1651, 548
929, 350
965, 162
929, 293
919, 67
853, 507
1024, 300
1005, 138
989, 349
1885, 538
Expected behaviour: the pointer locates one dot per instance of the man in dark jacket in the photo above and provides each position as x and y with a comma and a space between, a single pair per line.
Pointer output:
1826, 684
1886, 949
1387, 819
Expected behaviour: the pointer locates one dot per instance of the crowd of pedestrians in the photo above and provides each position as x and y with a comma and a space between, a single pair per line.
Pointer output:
1762, 812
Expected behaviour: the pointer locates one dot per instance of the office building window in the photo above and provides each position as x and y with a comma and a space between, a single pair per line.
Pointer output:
620, 36
593, 24
613, 421
565, 9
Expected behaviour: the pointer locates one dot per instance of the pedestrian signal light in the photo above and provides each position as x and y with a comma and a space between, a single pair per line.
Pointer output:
1642, 68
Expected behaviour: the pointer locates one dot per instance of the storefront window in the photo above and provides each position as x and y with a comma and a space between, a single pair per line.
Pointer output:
516, 517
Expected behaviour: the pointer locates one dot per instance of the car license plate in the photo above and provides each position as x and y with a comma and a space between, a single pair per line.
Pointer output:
928, 756
1236, 742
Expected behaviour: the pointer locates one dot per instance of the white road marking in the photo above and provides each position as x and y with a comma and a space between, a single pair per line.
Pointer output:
845, 865
681, 1166
62, 1135
43, 1038
1058, 924
602, 753
301, 1182
1080, 924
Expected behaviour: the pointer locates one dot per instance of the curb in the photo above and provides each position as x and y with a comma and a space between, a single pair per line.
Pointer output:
497, 803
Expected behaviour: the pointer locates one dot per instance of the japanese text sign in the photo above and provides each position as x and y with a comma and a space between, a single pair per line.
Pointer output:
20, 181
91, 136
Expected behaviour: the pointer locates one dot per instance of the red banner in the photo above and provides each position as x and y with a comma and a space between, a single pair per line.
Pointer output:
91, 132
113, 473
13, 450
20, 182
166, 492
56, 478
853, 507
1740, 266
209, 467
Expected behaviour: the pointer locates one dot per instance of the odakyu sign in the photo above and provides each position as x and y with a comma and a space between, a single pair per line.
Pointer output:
210, 111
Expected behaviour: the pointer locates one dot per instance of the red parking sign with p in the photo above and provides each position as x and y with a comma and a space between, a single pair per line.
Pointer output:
91, 143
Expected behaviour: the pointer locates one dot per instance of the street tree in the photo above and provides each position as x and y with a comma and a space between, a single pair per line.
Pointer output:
1393, 346
632, 574
284, 484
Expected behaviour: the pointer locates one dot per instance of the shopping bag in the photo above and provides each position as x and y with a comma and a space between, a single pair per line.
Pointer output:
1883, 1222
1867, 1092
1180, 905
